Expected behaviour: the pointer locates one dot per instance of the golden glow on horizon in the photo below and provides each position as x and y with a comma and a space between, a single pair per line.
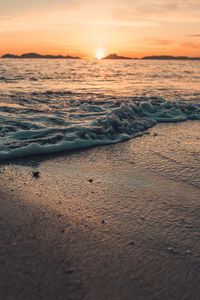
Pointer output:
99, 53
128, 28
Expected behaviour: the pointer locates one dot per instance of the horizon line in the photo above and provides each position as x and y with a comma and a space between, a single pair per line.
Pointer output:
112, 56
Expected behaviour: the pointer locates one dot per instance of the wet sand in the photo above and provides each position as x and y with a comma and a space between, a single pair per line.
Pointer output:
115, 222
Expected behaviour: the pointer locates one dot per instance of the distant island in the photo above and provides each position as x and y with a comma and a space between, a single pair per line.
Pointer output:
35, 55
115, 56
163, 57
169, 57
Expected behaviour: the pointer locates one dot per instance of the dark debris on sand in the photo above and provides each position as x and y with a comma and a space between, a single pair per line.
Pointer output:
36, 174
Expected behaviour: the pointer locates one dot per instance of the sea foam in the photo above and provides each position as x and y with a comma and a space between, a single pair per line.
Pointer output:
87, 126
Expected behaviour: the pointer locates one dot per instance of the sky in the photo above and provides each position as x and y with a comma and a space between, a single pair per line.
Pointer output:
132, 28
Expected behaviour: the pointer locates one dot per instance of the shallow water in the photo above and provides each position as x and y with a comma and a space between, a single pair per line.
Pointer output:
173, 80
49, 106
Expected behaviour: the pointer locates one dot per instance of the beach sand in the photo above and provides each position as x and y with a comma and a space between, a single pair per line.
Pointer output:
116, 222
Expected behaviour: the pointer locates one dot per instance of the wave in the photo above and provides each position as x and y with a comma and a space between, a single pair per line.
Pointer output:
99, 126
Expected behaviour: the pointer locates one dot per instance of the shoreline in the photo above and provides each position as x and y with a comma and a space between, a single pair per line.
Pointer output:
110, 222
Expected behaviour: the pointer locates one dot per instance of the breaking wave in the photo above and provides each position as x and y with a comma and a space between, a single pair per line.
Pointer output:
76, 125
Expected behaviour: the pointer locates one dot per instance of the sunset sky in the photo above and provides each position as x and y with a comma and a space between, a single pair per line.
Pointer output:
78, 27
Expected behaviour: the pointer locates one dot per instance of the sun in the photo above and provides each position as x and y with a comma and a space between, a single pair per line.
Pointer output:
99, 53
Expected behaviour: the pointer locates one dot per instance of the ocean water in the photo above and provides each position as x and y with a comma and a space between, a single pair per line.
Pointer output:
50, 106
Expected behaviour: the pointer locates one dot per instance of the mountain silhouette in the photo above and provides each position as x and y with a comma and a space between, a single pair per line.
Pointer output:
36, 55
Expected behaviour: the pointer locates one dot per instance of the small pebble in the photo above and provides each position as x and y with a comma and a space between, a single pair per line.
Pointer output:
36, 174
90, 180
59, 202
71, 271
131, 243
28, 273
170, 249
102, 222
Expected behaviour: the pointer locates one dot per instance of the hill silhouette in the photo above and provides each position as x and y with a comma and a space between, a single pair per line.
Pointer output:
36, 55
115, 56
162, 57
170, 57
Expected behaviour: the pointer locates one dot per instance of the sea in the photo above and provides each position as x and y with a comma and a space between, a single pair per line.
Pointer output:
51, 106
